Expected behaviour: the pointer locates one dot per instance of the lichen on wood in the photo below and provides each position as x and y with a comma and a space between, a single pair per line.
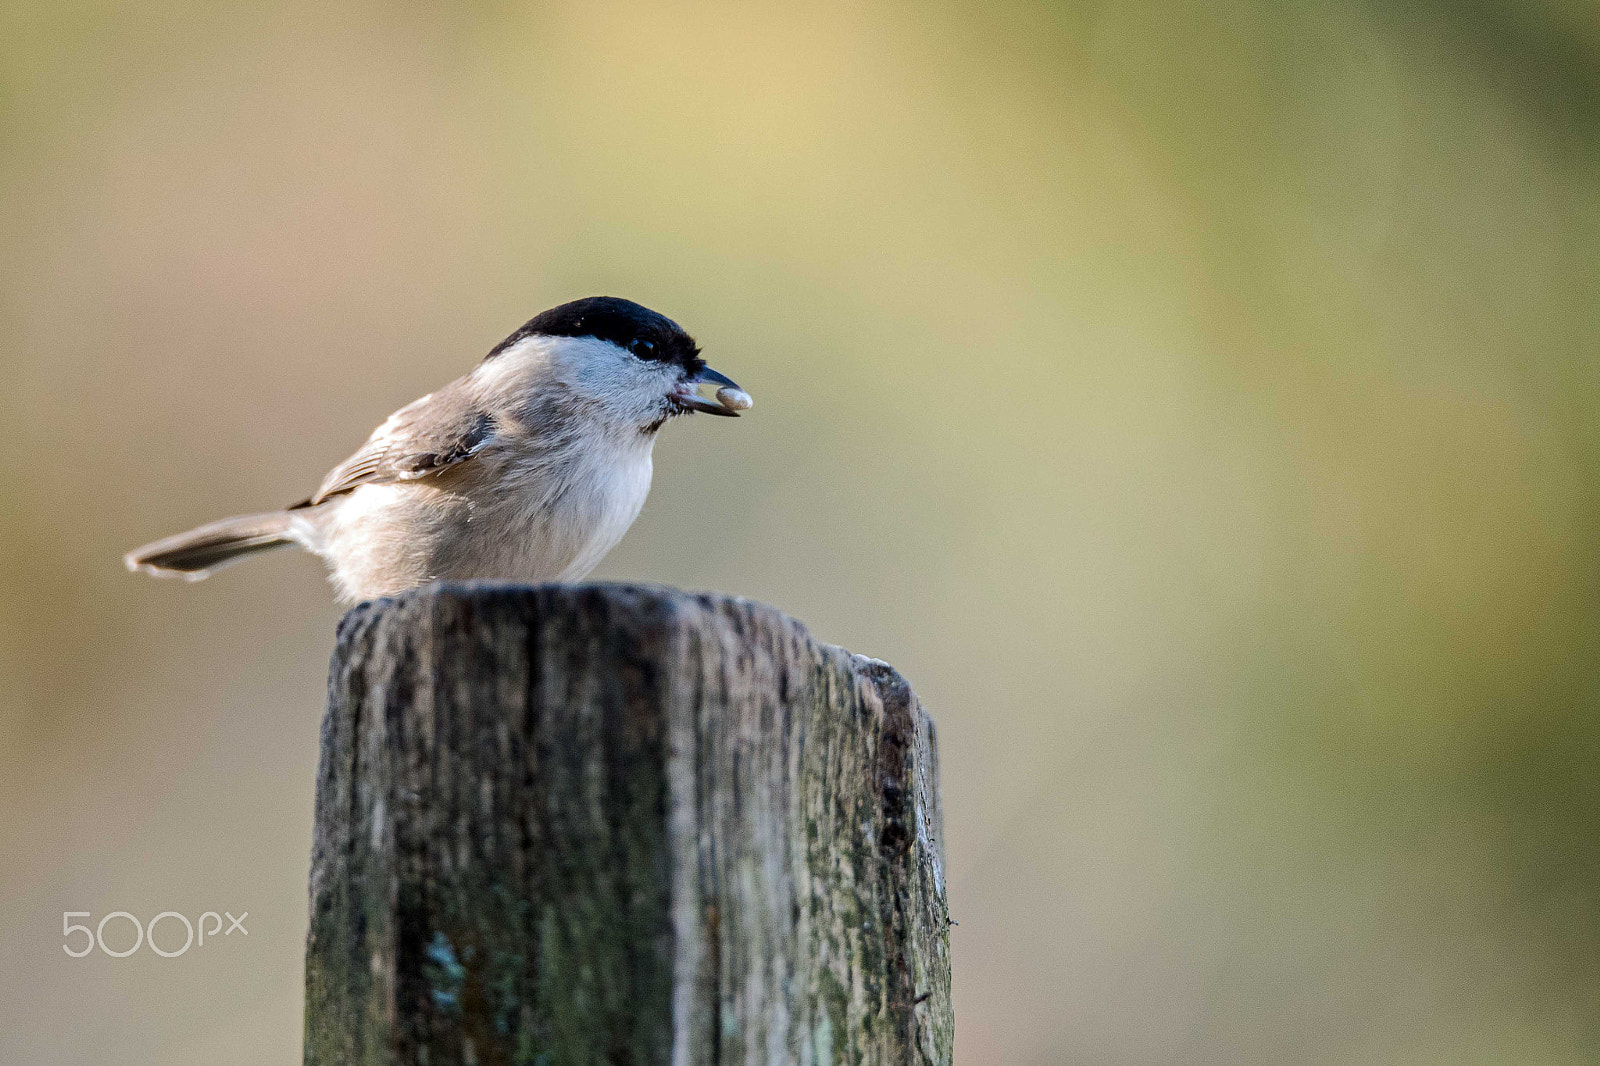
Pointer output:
616, 824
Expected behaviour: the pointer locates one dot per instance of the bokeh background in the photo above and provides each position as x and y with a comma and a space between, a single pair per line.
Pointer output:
1199, 400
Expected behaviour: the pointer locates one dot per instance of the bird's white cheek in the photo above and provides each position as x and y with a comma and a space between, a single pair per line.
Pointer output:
628, 389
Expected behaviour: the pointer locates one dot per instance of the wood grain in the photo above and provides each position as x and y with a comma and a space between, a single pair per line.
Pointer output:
618, 824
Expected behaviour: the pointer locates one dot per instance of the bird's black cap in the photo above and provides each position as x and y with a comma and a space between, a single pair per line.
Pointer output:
624, 323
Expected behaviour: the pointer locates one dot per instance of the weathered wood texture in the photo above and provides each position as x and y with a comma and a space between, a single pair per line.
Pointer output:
615, 824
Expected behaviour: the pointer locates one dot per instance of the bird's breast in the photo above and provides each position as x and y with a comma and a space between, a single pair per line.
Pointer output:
521, 515
543, 520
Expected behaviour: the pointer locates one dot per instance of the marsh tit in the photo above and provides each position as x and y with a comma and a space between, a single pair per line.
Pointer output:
529, 468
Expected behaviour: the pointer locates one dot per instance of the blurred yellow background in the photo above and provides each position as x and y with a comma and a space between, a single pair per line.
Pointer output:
1198, 401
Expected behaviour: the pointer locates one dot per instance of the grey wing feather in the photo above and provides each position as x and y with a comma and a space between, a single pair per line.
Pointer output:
424, 437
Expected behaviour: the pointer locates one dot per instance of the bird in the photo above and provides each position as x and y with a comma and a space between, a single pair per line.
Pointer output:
528, 468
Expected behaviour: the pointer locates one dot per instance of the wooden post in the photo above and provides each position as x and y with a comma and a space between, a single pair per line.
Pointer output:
616, 824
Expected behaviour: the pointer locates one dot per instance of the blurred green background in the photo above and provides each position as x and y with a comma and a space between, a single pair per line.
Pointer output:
1198, 401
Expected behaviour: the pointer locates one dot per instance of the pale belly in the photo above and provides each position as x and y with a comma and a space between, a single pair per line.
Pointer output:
383, 539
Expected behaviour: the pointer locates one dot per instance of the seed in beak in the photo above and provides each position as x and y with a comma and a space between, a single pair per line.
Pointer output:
734, 398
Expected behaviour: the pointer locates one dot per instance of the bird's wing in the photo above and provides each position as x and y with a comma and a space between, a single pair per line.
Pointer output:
424, 437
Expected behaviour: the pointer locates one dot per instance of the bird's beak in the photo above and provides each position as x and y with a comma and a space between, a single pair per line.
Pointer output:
731, 399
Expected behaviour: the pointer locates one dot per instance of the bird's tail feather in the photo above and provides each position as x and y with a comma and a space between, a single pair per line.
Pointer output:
201, 552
